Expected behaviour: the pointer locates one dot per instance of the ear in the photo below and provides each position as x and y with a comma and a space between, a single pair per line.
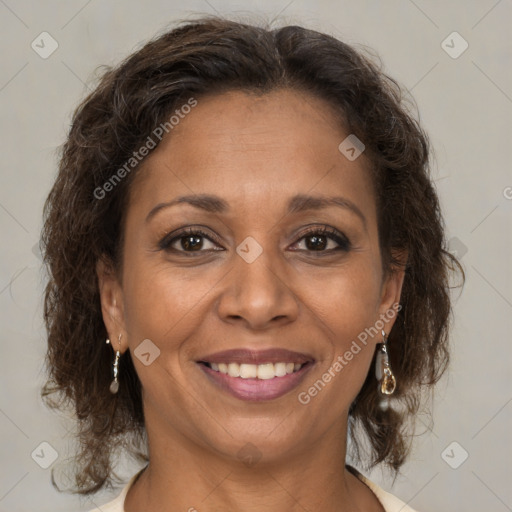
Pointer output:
391, 290
112, 304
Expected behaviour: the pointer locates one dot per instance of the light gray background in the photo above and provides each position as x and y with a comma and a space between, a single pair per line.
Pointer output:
465, 105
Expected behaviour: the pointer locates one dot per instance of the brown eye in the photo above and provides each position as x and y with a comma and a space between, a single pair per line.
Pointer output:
189, 241
325, 240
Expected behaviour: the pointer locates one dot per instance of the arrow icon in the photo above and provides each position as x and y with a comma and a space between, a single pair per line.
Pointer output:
147, 352
454, 455
44, 455
44, 45
243, 249
249, 454
147, 355
351, 147
454, 45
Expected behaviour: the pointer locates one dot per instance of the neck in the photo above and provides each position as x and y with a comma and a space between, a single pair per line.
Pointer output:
183, 475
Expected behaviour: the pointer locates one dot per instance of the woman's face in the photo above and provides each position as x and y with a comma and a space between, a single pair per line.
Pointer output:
259, 176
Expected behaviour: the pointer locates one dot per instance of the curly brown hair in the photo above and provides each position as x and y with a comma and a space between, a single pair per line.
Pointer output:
209, 56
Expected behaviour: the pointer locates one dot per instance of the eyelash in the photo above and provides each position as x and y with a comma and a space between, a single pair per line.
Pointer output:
331, 233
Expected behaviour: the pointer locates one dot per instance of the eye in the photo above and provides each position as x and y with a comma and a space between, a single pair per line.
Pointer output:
319, 239
195, 240
189, 240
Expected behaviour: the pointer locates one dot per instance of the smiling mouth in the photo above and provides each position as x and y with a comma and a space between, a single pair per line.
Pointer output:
255, 382
255, 375
265, 371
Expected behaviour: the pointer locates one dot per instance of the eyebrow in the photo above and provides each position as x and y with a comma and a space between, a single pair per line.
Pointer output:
298, 203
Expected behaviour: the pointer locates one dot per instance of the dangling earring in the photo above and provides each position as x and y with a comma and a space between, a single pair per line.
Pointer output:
387, 381
114, 385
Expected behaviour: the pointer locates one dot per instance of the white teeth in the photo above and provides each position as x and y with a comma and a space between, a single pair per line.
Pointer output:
234, 370
248, 371
252, 371
280, 369
266, 371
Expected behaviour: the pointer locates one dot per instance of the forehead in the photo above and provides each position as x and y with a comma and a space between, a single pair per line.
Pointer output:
253, 150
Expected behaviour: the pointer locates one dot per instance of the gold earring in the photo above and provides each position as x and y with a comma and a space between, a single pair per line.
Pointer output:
387, 381
114, 385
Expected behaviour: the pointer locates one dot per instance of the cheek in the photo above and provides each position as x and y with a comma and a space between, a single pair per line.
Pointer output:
163, 304
350, 297
350, 301
164, 307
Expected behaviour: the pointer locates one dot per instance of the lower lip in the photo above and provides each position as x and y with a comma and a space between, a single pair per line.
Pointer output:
256, 390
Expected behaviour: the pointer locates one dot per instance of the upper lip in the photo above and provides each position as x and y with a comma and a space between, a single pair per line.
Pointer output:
247, 356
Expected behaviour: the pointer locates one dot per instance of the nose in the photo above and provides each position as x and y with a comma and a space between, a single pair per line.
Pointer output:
258, 294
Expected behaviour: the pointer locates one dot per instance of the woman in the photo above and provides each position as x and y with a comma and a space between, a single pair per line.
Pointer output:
247, 269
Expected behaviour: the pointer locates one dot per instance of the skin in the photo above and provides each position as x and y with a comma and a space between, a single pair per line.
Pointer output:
255, 152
